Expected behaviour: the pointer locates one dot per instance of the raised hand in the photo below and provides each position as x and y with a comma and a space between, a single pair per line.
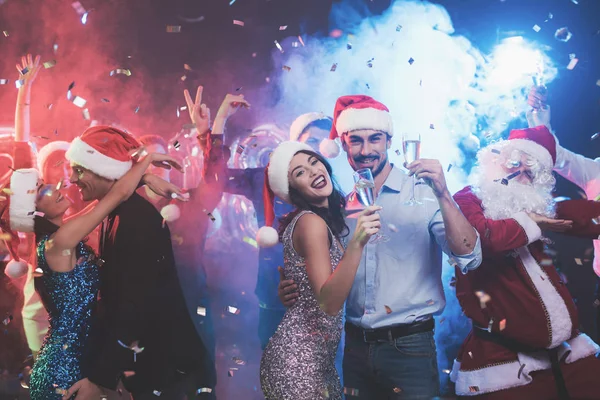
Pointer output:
368, 224
28, 69
231, 104
163, 188
431, 172
539, 113
199, 113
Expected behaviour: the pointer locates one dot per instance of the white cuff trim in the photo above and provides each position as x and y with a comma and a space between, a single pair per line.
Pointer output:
532, 230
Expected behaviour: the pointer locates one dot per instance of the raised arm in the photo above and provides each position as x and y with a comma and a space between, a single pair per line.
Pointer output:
311, 238
77, 228
28, 70
582, 171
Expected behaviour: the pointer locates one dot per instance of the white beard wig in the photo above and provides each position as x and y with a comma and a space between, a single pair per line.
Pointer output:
503, 201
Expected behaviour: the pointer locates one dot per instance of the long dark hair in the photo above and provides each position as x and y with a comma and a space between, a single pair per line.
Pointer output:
43, 227
333, 214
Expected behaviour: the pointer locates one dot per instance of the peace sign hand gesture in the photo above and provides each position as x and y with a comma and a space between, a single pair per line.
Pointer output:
199, 113
28, 69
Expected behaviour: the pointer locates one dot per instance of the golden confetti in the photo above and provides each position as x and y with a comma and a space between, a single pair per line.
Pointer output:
502, 325
397, 390
578, 261
483, 298
250, 241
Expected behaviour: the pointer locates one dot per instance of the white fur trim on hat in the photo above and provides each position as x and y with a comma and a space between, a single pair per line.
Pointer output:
85, 155
267, 237
535, 150
352, 119
279, 165
23, 185
16, 269
300, 123
47, 150
329, 148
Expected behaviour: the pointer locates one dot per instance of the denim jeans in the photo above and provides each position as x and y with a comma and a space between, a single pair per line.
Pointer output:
404, 368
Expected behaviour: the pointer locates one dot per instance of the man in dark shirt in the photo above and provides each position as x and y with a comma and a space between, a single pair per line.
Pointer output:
144, 334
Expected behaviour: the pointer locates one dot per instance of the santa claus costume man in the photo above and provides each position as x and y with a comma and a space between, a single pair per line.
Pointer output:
525, 342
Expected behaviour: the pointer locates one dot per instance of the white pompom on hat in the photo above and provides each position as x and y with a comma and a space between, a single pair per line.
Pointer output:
353, 113
277, 184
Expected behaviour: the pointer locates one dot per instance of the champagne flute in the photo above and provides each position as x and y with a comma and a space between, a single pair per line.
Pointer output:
365, 187
411, 148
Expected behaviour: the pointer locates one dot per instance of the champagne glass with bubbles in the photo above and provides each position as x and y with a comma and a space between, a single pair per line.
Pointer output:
411, 148
365, 188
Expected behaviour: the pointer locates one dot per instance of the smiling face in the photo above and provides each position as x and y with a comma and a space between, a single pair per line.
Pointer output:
367, 148
91, 186
53, 203
310, 178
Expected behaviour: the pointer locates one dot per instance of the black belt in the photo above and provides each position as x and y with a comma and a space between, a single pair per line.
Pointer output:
388, 333
512, 345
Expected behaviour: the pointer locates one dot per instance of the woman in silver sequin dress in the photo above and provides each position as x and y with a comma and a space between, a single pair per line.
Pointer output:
298, 362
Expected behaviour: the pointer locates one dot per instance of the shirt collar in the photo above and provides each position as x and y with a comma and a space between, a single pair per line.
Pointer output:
395, 179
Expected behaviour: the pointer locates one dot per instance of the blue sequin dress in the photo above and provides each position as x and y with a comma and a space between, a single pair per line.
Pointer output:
70, 298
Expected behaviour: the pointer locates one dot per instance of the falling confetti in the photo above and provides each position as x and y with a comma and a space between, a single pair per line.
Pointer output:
286, 68
250, 241
173, 28
278, 46
5, 33
233, 310
49, 64
201, 311
301, 41
238, 361
79, 101
449, 167
520, 371
431, 126
204, 390
333, 67
563, 34
473, 389
238, 22
397, 390
483, 298
572, 63
351, 391
392, 228
7, 320
502, 325
430, 302
388, 310
578, 261
86, 114
3, 81
156, 393
120, 71
283, 27
19, 83
398, 28
411, 61
537, 28
128, 374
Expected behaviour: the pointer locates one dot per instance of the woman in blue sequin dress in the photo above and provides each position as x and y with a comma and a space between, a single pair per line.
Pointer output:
299, 360
67, 270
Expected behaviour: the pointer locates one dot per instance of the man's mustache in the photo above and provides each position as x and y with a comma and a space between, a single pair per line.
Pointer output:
364, 158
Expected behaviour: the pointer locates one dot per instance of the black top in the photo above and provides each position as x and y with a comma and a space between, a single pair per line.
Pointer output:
141, 300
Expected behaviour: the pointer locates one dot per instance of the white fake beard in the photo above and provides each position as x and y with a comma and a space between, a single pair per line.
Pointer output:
504, 201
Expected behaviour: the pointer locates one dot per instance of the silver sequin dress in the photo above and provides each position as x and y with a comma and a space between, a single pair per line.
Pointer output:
299, 361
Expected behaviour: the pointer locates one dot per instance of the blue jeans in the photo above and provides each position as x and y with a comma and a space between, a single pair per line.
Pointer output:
404, 368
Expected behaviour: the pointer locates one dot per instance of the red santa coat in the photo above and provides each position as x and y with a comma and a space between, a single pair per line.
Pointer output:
528, 302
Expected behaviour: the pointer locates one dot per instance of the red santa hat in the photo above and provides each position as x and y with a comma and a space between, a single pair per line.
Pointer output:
277, 184
353, 113
48, 150
538, 142
104, 150
18, 215
300, 123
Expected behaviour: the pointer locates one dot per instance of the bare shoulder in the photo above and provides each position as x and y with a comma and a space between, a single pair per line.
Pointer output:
310, 223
